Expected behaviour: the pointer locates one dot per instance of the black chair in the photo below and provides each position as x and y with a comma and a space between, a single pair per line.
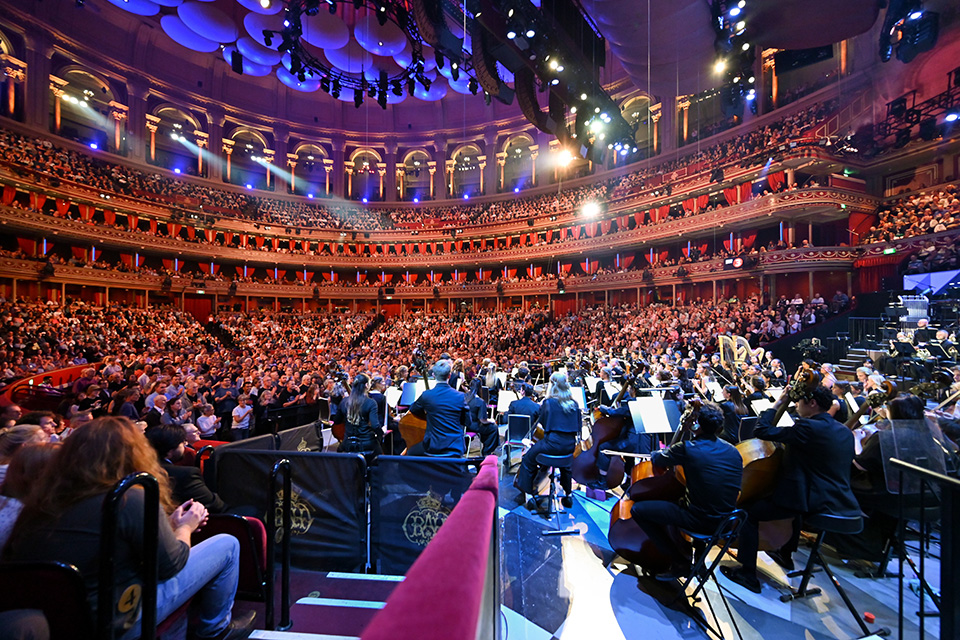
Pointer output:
824, 523
747, 425
518, 428
555, 464
723, 536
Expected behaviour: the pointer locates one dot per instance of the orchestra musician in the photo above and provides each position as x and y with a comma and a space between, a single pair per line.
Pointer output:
444, 410
734, 409
359, 414
479, 422
815, 478
713, 470
560, 418
523, 405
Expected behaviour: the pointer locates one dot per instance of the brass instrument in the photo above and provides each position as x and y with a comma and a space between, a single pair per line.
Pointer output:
939, 381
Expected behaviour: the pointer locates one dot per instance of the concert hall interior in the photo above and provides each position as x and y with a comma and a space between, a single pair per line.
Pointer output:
499, 319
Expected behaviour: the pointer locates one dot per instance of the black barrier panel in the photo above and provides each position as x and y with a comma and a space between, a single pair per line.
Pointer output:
328, 503
266, 442
410, 497
303, 438
284, 418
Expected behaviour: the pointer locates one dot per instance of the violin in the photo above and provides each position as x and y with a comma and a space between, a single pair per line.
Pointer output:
649, 483
605, 429
875, 399
413, 428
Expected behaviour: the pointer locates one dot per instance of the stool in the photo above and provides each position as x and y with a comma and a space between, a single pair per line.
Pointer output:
723, 536
555, 464
824, 523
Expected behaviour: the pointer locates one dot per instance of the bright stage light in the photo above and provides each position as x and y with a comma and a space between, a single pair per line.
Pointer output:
590, 209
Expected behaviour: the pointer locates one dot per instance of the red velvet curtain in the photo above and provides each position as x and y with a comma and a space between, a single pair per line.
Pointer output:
731, 195
746, 190
9, 193
28, 246
109, 217
775, 180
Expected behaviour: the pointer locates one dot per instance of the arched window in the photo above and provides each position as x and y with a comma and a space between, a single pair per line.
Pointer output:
248, 158
466, 170
518, 165
366, 180
85, 108
311, 177
176, 141
415, 179
636, 111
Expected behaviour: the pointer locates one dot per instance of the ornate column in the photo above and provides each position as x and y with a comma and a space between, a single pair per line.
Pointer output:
390, 167
153, 123
482, 163
202, 141
348, 169
228, 150
15, 72
268, 155
655, 120
450, 167
683, 104
119, 114
501, 162
339, 169
534, 152
327, 168
137, 93
292, 163
216, 121
769, 66
401, 173
36, 84
57, 86
432, 168
554, 151
439, 182
381, 171
488, 174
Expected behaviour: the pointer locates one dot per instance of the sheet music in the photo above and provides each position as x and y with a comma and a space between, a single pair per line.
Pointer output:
716, 390
502, 377
393, 396
654, 380
504, 400
592, 383
612, 389
854, 406
650, 415
774, 392
459, 383
580, 396
759, 406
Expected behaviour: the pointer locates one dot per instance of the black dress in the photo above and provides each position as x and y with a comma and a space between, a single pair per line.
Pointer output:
362, 436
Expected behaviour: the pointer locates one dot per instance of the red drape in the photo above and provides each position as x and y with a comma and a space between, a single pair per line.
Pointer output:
259, 241
860, 224
227, 236
37, 200
86, 212
9, 193
126, 259
79, 253
281, 273
309, 275
565, 267
775, 180
688, 204
639, 217
28, 246
605, 226
62, 206
109, 217
239, 271
703, 200
626, 261
731, 195
153, 227
746, 190
244, 238
210, 235
749, 238
191, 232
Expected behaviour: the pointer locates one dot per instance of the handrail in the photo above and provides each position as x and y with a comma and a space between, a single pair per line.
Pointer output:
933, 476
60, 377
285, 623
108, 546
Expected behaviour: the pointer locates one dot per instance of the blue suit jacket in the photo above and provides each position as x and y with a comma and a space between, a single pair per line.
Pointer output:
444, 410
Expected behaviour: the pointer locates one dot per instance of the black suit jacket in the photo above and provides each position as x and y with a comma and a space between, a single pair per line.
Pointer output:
525, 407
815, 474
188, 484
444, 410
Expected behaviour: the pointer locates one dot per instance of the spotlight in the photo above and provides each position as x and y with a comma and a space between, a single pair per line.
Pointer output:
916, 15
397, 88
530, 33
438, 58
357, 97
94, 146
516, 189
952, 117
454, 72
364, 201
745, 47
473, 86
325, 84
554, 64
268, 37
177, 170
466, 196
411, 86
719, 66
573, 109
511, 34
590, 209
174, 136
265, 4
416, 201
555, 81
735, 12
559, 68
929, 129
335, 91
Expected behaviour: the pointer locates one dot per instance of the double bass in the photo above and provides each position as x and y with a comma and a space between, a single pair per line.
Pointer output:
605, 429
413, 428
625, 536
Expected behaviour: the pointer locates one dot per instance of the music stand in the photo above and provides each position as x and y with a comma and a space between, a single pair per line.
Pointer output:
580, 397
504, 399
904, 349
411, 391
759, 406
654, 415
393, 396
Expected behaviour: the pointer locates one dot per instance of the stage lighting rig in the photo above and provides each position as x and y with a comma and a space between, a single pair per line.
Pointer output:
908, 28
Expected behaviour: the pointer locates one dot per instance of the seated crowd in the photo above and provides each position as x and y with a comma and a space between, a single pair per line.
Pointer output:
928, 211
54, 163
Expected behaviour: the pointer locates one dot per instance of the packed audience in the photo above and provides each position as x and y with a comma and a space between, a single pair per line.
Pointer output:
53, 163
928, 211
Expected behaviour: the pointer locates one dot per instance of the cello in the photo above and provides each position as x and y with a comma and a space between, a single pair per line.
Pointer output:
413, 428
626, 537
605, 429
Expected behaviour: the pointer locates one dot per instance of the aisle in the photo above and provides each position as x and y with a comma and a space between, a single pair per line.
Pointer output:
571, 587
